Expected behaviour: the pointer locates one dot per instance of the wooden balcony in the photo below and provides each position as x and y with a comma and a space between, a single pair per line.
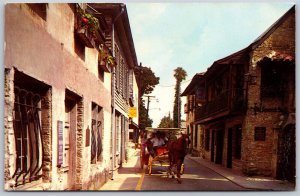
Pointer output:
222, 105
218, 105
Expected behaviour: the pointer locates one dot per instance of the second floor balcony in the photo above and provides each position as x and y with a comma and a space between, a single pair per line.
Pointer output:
222, 105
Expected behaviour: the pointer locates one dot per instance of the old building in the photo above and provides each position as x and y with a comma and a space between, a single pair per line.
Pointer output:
59, 76
119, 40
194, 93
247, 121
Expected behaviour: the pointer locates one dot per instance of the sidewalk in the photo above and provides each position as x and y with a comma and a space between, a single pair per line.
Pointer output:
127, 177
237, 177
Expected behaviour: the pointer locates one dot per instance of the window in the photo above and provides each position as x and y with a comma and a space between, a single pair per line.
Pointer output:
100, 73
79, 47
96, 134
260, 134
27, 132
121, 85
39, 8
207, 138
272, 80
117, 56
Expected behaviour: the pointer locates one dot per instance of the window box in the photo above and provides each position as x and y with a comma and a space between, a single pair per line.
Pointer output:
86, 37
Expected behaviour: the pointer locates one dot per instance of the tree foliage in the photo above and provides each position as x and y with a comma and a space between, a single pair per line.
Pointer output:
146, 80
166, 122
179, 74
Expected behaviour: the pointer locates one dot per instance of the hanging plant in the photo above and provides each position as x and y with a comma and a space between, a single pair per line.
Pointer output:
105, 57
90, 22
111, 60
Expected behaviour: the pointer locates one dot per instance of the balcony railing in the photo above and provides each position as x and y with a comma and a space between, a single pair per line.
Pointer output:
223, 102
217, 105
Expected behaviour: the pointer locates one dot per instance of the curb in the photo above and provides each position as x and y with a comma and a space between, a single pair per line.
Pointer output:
242, 186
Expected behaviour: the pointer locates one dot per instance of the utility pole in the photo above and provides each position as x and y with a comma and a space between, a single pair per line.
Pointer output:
148, 102
179, 108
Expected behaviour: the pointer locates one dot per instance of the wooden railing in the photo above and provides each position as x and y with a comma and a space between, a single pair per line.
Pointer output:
223, 102
217, 105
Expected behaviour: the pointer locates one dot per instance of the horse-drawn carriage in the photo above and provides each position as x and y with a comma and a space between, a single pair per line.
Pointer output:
163, 155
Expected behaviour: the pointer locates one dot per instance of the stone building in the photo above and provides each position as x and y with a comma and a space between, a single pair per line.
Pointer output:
59, 69
247, 119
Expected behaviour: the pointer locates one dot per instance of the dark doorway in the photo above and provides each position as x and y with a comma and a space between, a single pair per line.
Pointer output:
286, 169
212, 152
229, 148
219, 144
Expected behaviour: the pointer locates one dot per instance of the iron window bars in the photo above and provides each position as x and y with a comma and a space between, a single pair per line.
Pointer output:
96, 139
28, 140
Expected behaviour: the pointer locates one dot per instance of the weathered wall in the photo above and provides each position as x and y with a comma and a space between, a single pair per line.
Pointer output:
257, 155
45, 52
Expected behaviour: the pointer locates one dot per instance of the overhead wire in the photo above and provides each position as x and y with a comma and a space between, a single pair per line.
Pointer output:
173, 85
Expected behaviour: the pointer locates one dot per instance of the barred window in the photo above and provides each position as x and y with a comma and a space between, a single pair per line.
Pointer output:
27, 132
96, 134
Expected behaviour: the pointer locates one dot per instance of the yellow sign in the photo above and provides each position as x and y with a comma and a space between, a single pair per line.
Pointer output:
132, 112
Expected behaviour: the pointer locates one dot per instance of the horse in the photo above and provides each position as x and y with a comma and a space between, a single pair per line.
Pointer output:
178, 149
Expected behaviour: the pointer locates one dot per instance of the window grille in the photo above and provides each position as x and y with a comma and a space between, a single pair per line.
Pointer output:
28, 140
96, 136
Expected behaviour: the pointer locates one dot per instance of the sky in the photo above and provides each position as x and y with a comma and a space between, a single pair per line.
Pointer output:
192, 36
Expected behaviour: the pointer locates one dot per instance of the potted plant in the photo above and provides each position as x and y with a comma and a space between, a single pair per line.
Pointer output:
87, 28
90, 22
110, 60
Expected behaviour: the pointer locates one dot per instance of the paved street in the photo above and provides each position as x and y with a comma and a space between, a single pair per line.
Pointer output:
199, 175
195, 178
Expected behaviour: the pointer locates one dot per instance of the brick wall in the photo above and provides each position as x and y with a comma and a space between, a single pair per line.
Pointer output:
257, 156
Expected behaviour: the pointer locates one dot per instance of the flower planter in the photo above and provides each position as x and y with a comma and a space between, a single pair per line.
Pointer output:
104, 65
86, 37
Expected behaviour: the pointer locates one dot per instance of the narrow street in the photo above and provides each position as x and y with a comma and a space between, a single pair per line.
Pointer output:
198, 176
195, 178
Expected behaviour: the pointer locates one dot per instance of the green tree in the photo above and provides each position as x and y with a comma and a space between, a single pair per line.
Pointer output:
179, 74
166, 122
146, 80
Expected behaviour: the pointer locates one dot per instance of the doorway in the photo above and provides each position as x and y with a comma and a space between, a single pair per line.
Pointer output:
229, 148
212, 152
219, 146
286, 166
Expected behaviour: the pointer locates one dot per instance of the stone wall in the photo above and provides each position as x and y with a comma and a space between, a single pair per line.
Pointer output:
257, 156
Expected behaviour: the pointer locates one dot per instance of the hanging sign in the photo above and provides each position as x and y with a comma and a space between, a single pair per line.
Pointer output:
132, 112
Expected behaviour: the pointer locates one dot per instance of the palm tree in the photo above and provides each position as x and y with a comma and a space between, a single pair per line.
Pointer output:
180, 74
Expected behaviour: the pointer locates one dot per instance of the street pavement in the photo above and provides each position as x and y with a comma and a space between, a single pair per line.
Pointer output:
130, 177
